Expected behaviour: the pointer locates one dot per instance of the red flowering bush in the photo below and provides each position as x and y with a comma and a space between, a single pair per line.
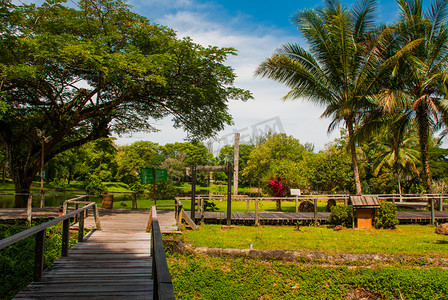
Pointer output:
278, 189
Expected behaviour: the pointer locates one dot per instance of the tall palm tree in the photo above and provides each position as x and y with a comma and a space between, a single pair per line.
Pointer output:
340, 68
419, 76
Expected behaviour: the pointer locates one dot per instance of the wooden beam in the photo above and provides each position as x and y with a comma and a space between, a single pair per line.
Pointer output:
211, 168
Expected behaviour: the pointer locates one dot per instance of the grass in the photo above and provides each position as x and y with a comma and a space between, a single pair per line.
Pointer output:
414, 240
195, 277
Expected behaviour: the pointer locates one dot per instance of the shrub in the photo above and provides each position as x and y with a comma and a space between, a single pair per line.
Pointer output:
341, 215
93, 184
386, 216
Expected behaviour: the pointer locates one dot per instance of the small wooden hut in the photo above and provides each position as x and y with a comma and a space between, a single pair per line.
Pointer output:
365, 206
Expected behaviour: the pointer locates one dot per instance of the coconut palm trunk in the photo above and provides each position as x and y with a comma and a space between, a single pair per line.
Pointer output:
355, 169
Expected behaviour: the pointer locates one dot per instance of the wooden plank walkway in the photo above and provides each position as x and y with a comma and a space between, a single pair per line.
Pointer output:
167, 221
114, 263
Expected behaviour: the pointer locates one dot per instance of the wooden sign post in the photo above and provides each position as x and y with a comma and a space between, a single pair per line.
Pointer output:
152, 176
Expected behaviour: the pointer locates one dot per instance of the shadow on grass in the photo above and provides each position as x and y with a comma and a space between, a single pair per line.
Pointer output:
441, 242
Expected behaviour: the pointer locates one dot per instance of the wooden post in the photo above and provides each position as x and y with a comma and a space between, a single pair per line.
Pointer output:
433, 219
134, 200
257, 220
315, 212
65, 208
236, 156
440, 203
202, 210
193, 191
65, 236
247, 205
39, 250
297, 204
96, 216
229, 194
29, 209
76, 216
154, 184
81, 227
42, 198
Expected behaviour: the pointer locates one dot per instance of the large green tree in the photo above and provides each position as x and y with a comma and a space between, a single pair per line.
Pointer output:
339, 70
280, 156
418, 82
78, 74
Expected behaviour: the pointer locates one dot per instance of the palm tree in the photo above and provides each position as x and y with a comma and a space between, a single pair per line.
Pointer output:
397, 149
419, 77
340, 68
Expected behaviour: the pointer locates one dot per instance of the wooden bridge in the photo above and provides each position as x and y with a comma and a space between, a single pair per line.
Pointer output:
120, 261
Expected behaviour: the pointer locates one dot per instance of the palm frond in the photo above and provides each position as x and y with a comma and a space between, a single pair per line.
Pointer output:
363, 17
437, 14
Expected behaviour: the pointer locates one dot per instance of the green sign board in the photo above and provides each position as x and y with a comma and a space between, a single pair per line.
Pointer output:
146, 175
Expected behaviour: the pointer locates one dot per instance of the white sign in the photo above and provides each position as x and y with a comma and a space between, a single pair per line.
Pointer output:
295, 192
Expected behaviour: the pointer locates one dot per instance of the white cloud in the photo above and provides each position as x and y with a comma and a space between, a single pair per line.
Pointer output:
299, 118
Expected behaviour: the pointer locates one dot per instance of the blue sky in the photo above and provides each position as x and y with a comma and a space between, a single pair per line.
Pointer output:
255, 29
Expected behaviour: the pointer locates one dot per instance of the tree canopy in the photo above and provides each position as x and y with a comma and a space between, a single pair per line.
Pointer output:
78, 74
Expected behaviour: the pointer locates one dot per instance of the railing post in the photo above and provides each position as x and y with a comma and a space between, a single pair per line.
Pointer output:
76, 216
297, 204
441, 203
202, 210
65, 236
39, 255
433, 219
42, 199
81, 227
96, 216
247, 205
315, 212
257, 220
65, 208
134, 200
29, 209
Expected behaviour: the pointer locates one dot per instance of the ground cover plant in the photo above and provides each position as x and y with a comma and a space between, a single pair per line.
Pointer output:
413, 240
198, 277
17, 260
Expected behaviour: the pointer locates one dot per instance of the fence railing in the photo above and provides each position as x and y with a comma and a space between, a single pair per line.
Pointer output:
163, 286
404, 200
39, 233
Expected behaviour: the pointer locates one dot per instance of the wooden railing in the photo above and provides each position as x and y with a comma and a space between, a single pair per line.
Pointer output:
163, 286
405, 200
39, 232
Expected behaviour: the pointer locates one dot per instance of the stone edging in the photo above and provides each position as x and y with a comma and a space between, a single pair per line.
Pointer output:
342, 259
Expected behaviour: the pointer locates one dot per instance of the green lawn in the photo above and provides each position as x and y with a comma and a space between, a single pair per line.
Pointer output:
412, 240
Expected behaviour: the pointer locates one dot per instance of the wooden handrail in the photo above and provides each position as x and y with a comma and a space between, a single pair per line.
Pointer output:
163, 286
39, 232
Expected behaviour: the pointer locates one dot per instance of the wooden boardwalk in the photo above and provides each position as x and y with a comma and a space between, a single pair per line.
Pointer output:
113, 263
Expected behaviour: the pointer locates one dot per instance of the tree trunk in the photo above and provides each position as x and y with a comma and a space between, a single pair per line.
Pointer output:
423, 132
354, 158
22, 172
22, 184
279, 204
399, 185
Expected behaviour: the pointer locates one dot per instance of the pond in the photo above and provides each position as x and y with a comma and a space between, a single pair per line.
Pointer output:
51, 200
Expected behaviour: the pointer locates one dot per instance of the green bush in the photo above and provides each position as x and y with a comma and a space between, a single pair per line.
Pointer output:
386, 216
93, 184
341, 215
